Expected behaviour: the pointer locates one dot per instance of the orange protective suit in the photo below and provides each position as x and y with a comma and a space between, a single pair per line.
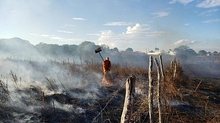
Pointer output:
106, 66
107, 78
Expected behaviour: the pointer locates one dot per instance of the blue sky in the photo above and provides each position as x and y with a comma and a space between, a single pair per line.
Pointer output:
140, 24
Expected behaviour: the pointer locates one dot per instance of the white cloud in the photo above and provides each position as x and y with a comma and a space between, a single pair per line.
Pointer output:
64, 31
202, 4
40, 35
183, 42
212, 21
109, 38
44, 35
33, 34
47, 36
161, 14
133, 35
137, 28
184, 2
209, 3
143, 30
208, 12
118, 23
93, 34
56, 38
79, 19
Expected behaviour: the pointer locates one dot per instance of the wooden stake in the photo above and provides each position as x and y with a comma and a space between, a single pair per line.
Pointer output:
175, 67
150, 89
129, 100
161, 67
158, 88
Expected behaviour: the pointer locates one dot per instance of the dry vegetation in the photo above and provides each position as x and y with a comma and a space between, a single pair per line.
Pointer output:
184, 99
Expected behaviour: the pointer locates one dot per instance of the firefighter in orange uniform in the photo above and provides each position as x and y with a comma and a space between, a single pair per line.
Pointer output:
106, 66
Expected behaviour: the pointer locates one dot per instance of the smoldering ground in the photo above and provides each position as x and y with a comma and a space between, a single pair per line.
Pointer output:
29, 89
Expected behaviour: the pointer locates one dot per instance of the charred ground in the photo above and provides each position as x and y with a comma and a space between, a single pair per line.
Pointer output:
58, 92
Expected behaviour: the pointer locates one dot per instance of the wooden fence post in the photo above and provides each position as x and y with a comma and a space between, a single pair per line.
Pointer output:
175, 68
161, 67
129, 100
158, 88
150, 89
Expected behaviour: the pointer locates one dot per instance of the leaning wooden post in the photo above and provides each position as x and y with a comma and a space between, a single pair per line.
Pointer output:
129, 100
171, 64
150, 89
175, 67
158, 88
161, 67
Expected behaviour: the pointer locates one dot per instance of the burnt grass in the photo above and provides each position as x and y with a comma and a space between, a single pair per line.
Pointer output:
197, 100
93, 112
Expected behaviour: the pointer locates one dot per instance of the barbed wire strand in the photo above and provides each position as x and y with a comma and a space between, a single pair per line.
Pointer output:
114, 94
